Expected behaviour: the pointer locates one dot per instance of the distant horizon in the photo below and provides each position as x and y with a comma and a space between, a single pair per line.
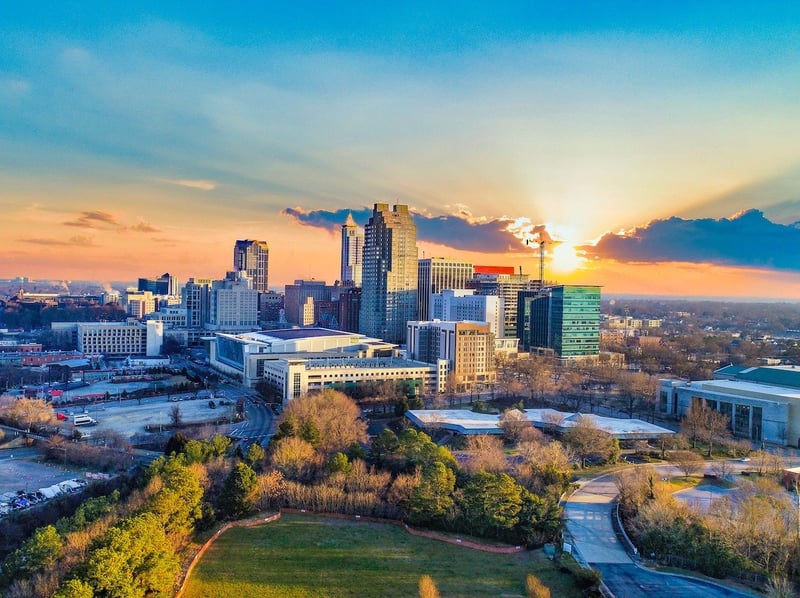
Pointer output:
121, 285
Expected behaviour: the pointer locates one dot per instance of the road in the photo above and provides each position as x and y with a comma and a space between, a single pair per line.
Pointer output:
257, 427
589, 513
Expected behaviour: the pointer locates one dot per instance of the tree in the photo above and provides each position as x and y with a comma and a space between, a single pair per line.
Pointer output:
310, 433
485, 454
401, 406
171, 346
427, 588
271, 487
587, 440
176, 444
175, 416
335, 416
37, 553
255, 455
512, 423
27, 413
339, 464
384, 447
293, 456
238, 492
75, 588
491, 503
432, 500
705, 424
134, 559
687, 461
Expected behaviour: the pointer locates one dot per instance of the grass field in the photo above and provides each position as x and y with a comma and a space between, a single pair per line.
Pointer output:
304, 557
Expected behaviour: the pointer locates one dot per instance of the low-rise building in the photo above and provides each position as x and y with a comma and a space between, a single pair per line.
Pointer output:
762, 403
115, 338
242, 355
295, 376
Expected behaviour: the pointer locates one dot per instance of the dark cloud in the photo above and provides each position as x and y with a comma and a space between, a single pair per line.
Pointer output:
93, 219
457, 231
78, 241
746, 239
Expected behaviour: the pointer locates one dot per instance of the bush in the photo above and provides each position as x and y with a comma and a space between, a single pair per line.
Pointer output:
587, 578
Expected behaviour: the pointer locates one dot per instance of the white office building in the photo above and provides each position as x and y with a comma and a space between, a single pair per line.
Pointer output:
762, 403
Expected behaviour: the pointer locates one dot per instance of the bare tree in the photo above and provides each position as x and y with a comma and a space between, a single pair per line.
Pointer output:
587, 440
722, 469
335, 415
687, 461
485, 454
704, 423
175, 416
512, 423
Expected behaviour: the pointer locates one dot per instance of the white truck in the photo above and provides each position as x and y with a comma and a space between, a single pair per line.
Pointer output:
84, 420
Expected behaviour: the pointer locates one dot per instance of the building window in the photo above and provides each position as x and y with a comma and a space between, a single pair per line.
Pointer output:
741, 422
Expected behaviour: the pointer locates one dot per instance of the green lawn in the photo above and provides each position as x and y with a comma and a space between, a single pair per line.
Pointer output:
305, 557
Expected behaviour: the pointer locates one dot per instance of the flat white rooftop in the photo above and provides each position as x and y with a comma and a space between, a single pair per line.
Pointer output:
468, 422
740, 387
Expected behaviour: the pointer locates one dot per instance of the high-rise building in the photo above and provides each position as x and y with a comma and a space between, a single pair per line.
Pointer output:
296, 305
349, 308
497, 281
270, 305
165, 284
197, 301
234, 304
389, 273
352, 252
437, 274
252, 257
565, 319
457, 305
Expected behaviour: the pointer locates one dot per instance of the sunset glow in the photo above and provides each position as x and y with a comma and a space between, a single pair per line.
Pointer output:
136, 141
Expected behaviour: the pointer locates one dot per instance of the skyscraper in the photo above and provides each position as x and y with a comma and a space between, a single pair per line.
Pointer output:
437, 274
252, 257
389, 273
352, 252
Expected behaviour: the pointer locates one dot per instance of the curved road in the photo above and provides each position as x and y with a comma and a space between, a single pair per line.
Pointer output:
588, 515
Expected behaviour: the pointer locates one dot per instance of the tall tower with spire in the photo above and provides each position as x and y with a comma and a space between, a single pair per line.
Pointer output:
352, 253
389, 285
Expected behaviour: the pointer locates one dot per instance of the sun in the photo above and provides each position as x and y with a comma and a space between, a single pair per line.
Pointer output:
564, 258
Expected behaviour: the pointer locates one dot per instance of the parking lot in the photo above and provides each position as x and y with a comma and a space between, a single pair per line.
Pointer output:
19, 470
129, 417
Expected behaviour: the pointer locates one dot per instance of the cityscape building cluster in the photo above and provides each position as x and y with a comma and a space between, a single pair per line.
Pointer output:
431, 323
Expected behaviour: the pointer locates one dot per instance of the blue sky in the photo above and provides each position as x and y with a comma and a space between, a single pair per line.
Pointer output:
189, 127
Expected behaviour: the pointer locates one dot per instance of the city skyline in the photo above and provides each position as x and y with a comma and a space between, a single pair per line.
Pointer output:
655, 146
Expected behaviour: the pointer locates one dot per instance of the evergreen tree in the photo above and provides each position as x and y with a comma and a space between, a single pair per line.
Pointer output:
238, 491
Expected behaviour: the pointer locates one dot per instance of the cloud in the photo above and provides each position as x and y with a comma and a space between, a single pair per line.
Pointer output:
105, 221
747, 239
202, 185
77, 241
94, 219
143, 227
460, 231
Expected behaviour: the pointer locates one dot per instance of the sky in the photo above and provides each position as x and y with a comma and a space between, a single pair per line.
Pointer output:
655, 149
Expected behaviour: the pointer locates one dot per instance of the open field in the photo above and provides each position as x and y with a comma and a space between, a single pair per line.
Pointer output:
305, 556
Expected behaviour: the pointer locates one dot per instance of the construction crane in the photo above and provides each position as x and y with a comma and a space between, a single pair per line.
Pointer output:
544, 238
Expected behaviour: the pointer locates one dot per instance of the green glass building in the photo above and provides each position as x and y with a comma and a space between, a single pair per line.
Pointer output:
565, 319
